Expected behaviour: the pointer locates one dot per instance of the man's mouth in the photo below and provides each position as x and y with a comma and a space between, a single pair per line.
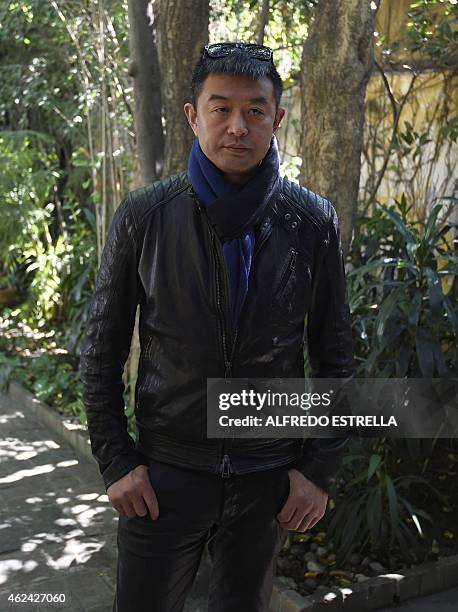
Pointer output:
236, 148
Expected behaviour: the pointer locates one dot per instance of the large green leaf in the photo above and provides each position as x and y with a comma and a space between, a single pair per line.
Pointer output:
392, 504
388, 308
381, 262
440, 302
439, 359
400, 225
406, 481
434, 292
425, 353
374, 462
415, 514
355, 519
374, 513
451, 314
414, 310
371, 360
404, 358
431, 229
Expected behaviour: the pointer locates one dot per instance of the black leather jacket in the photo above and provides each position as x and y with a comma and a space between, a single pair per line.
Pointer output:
163, 253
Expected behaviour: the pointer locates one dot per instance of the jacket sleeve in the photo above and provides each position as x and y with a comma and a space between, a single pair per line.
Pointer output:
106, 346
330, 348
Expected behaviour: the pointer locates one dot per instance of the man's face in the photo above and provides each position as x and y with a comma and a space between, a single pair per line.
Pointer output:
234, 121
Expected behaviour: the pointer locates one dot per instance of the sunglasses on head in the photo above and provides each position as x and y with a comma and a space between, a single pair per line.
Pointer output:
223, 49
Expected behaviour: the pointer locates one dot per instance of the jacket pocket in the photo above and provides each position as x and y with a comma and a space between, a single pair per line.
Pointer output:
287, 272
291, 294
144, 355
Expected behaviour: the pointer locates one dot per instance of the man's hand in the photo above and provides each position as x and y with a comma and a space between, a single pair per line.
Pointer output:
132, 495
305, 506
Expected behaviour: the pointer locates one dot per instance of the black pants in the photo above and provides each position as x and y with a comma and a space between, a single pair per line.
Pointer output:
235, 517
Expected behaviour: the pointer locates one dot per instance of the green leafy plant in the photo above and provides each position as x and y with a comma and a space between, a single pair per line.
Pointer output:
34, 358
404, 297
403, 300
374, 511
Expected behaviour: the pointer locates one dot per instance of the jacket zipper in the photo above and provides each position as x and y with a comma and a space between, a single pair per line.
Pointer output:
227, 364
287, 273
225, 466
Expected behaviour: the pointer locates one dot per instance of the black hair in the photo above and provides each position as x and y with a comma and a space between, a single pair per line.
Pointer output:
236, 63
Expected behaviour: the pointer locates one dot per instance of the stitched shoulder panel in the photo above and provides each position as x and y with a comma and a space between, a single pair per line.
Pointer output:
146, 199
316, 208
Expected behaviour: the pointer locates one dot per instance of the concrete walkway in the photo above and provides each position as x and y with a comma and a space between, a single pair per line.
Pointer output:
57, 527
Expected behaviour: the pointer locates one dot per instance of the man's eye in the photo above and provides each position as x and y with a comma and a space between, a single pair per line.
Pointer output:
221, 108
256, 111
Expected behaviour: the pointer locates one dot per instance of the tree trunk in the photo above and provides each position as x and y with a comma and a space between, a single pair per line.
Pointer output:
182, 32
263, 20
337, 60
144, 69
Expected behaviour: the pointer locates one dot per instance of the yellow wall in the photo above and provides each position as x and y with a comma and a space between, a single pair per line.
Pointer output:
422, 110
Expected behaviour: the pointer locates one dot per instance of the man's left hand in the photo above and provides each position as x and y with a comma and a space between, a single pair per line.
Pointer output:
305, 506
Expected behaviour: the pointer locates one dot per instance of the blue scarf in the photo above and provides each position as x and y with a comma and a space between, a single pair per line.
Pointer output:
234, 212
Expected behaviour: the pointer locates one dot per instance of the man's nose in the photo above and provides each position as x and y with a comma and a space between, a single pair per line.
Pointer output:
237, 125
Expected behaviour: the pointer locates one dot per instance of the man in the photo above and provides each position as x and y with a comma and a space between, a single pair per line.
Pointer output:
226, 261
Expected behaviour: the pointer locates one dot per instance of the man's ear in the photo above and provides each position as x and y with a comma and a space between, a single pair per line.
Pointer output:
191, 116
278, 118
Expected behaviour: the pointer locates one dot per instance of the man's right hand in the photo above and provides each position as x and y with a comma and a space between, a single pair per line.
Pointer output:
132, 495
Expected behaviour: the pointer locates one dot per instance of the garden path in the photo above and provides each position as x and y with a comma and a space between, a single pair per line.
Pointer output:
57, 527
